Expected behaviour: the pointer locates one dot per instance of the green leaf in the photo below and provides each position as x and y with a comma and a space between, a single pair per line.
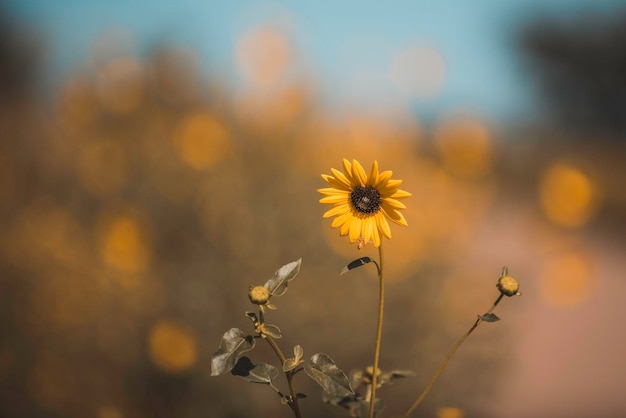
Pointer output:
277, 285
323, 370
260, 373
356, 263
389, 377
271, 330
489, 317
234, 343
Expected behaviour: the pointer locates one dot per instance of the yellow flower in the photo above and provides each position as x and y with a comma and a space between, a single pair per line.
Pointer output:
361, 203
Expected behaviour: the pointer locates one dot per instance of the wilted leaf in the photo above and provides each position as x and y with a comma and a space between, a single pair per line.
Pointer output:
389, 377
355, 376
292, 363
362, 409
277, 285
489, 317
259, 373
272, 330
298, 352
252, 317
356, 263
323, 370
234, 343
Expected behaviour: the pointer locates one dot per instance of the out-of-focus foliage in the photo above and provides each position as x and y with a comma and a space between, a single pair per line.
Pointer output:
140, 200
579, 63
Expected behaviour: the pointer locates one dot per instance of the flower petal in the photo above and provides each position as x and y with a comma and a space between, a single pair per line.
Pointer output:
344, 218
358, 174
339, 176
347, 169
394, 203
356, 229
401, 194
331, 191
383, 178
336, 211
376, 237
383, 225
338, 198
394, 215
372, 180
368, 228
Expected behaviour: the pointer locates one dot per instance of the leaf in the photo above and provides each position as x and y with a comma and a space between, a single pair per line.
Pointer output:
292, 363
298, 352
323, 370
362, 409
489, 317
277, 285
252, 317
260, 373
389, 377
356, 263
234, 343
271, 330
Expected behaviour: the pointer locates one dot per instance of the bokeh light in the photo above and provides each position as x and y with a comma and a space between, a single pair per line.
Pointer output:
567, 279
172, 346
569, 196
202, 140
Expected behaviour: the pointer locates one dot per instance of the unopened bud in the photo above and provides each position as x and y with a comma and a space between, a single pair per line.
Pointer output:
259, 295
508, 285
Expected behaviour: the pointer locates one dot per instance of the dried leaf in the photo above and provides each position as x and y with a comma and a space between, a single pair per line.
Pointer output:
234, 343
323, 370
277, 285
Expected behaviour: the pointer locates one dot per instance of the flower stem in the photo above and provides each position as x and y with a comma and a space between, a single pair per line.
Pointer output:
379, 330
293, 403
448, 357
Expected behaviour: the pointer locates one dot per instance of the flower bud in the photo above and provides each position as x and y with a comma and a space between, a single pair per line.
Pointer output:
259, 295
507, 285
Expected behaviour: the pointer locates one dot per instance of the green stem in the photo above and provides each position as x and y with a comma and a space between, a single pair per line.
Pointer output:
448, 357
293, 403
379, 330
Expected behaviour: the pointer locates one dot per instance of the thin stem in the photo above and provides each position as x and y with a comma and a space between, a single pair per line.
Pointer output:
448, 357
379, 329
289, 375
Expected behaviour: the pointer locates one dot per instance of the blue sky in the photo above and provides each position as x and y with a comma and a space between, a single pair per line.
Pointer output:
342, 41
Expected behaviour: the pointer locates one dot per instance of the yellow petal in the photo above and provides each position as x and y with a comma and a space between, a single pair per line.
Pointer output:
372, 180
401, 194
345, 227
389, 188
383, 178
347, 169
368, 229
394, 215
331, 191
339, 176
337, 210
356, 230
358, 174
394, 203
383, 225
376, 237
341, 220
338, 198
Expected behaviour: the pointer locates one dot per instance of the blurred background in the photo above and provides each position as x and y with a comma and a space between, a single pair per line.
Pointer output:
157, 158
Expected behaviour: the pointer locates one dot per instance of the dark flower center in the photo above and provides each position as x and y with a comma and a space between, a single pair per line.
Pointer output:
365, 199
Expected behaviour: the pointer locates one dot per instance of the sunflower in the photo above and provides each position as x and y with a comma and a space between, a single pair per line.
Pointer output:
361, 203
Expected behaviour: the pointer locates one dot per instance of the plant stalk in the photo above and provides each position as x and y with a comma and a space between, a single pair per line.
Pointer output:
289, 375
448, 357
379, 329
